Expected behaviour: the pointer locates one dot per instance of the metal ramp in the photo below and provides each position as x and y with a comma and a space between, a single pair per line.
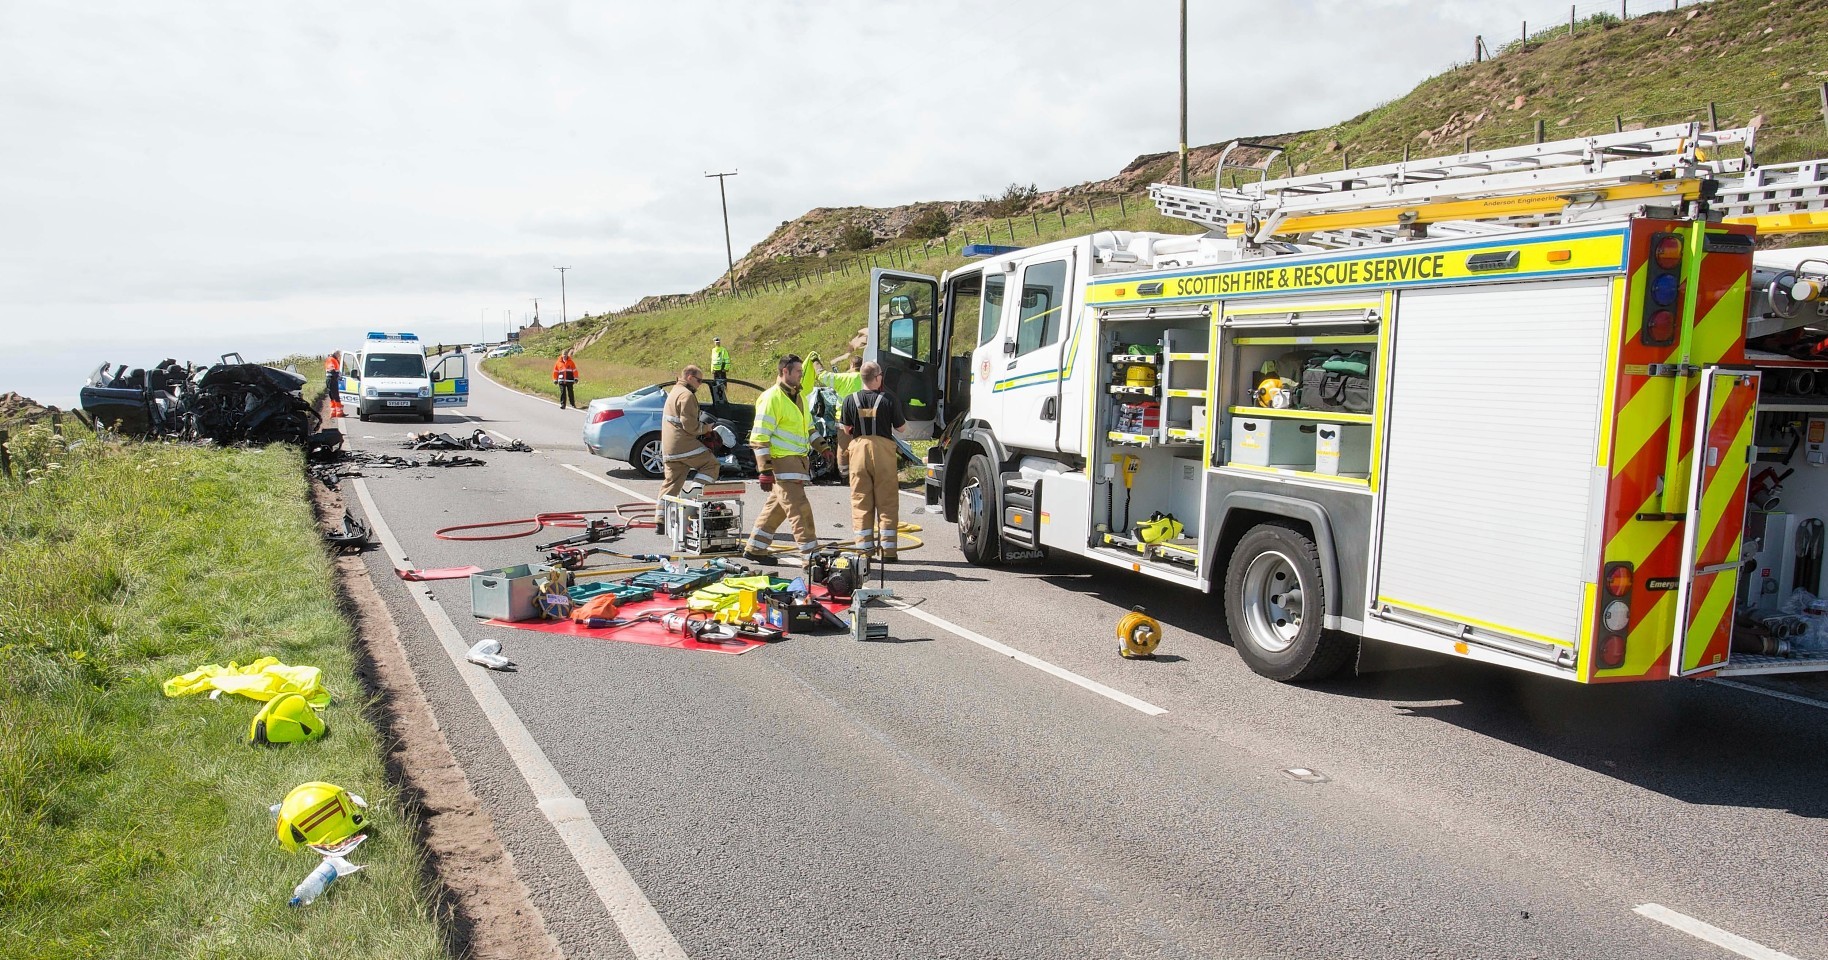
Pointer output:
1511, 187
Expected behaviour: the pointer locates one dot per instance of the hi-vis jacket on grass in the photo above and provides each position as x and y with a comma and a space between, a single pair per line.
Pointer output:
1526, 414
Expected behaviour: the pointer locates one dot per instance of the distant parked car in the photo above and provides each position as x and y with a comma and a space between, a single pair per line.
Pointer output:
505, 350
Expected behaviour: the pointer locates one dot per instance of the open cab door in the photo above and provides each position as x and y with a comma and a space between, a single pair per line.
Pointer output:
1711, 549
451, 380
904, 339
350, 376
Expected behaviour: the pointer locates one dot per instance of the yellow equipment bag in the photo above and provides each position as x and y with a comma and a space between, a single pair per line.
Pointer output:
1160, 527
262, 680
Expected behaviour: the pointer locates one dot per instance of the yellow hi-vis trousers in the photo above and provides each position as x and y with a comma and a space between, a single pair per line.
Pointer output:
787, 501
875, 494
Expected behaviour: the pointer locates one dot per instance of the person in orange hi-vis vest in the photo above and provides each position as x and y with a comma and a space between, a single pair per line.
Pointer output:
565, 374
333, 384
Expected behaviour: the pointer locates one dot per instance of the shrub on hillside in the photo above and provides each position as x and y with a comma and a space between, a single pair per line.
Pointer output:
929, 223
1015, 199
856, 236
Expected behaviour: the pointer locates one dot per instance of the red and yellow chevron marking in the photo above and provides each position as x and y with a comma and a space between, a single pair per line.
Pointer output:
1709, 630
1653, 427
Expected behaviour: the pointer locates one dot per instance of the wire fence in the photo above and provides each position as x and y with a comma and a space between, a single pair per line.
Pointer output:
1795, 114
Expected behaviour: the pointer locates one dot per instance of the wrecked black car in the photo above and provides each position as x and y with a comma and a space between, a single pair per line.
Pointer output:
230, 402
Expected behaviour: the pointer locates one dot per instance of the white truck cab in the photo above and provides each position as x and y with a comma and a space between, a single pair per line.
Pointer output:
392, 376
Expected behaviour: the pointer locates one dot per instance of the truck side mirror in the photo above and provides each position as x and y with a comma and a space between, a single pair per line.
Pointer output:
1009, 346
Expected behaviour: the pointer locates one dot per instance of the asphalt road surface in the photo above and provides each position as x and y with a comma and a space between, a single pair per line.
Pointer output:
935, 796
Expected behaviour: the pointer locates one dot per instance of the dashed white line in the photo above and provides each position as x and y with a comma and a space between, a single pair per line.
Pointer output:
1069, 676
586, 474
641, 927
1707, 931
1778, 694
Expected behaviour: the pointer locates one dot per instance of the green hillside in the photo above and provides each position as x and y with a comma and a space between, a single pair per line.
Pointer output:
1756, 61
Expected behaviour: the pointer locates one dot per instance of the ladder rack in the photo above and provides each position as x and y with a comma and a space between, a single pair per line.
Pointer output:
1515, 186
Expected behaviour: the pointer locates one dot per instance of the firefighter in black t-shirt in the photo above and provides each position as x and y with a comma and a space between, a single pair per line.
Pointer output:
870, 420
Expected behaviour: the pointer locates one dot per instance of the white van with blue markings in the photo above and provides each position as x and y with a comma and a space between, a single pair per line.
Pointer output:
391, 376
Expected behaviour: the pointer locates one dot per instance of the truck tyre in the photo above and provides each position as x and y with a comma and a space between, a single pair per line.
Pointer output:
1275, 605
979, 530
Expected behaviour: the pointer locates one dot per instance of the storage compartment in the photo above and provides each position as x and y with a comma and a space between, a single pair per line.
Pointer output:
508, 593
1273, 442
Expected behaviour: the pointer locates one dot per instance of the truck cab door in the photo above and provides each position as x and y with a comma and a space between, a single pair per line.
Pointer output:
904, 337
350, 376
1715, 521
1027, 389
451, 380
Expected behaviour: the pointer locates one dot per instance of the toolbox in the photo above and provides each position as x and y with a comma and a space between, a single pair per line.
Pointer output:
625, 593
508, 593
676, 584
1342, 450
1272, 442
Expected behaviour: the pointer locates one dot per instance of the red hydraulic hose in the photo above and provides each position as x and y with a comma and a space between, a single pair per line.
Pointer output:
634, 513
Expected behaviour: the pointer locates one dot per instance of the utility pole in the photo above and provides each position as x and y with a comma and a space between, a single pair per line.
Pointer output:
536, 311
1183, 93
564, 314
729, 257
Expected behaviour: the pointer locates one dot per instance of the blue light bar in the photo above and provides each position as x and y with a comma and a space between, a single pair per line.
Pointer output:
985, 250
378, 335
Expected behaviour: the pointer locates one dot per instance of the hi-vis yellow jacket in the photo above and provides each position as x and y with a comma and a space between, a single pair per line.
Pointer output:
782, 428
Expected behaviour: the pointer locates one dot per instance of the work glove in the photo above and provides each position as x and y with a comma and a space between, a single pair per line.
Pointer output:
765, 481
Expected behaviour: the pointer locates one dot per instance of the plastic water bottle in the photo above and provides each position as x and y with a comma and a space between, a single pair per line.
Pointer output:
320, 879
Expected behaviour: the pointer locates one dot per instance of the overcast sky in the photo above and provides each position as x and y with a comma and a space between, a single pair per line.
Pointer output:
181, 177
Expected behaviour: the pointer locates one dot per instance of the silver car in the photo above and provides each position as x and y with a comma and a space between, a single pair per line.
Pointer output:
627, 428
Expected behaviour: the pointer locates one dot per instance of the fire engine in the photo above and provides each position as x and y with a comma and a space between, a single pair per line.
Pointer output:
1545, 406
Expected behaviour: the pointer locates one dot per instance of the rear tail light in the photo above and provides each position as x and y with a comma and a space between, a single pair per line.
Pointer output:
1662, 291
1614, 616
604, 416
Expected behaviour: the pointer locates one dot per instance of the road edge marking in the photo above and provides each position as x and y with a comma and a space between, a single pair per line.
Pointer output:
641, 926
613, 485
1703, 930
1134, 703
1776, 694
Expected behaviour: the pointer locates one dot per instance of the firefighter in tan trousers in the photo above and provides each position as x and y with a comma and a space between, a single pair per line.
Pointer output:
683, 453
782, 438
871, 419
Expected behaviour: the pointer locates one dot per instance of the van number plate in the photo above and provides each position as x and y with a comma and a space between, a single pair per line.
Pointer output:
399, 403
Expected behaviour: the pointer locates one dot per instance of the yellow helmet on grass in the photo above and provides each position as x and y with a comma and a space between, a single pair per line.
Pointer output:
287, 718
319, 814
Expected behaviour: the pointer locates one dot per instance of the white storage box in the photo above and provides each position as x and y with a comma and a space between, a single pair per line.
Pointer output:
507, 593
1272, 442
1342, 450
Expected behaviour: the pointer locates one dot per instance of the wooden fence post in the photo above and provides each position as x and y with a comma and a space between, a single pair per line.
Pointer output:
1061, 209
1478, 49
57, 422
1539, 130
947, 241
6, 456
1523, 37
1570, 20
1825, 104
1011, 224
1713, 116
1618, 123
1469, 144
1034, 220
1090, 212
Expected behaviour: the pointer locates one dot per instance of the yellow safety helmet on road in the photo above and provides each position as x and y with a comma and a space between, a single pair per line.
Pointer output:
319, 814
287, 718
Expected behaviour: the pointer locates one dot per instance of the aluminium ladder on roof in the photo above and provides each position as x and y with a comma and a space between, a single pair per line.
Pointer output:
1780, 198
1515, 184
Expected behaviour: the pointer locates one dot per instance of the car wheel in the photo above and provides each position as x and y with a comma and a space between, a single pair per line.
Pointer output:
647, 459
429, 417
362, 415
979, 536
1275, 605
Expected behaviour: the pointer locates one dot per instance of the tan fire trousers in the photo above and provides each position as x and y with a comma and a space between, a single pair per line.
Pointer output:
875, 493
700, 467
787, 501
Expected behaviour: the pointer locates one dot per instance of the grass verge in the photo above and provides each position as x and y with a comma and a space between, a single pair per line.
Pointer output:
134, 825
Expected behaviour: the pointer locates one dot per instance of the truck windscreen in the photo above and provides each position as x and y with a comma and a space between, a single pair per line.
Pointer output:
405, 365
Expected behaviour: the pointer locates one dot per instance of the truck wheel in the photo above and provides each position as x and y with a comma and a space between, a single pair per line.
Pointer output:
1275, 605
979, 537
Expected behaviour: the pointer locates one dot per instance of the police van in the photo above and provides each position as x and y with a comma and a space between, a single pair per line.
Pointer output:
392, 376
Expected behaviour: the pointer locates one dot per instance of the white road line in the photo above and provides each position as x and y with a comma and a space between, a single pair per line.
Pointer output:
1030, 659
646, 934
532, 396
1778, 694
1707, 931
586, 474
